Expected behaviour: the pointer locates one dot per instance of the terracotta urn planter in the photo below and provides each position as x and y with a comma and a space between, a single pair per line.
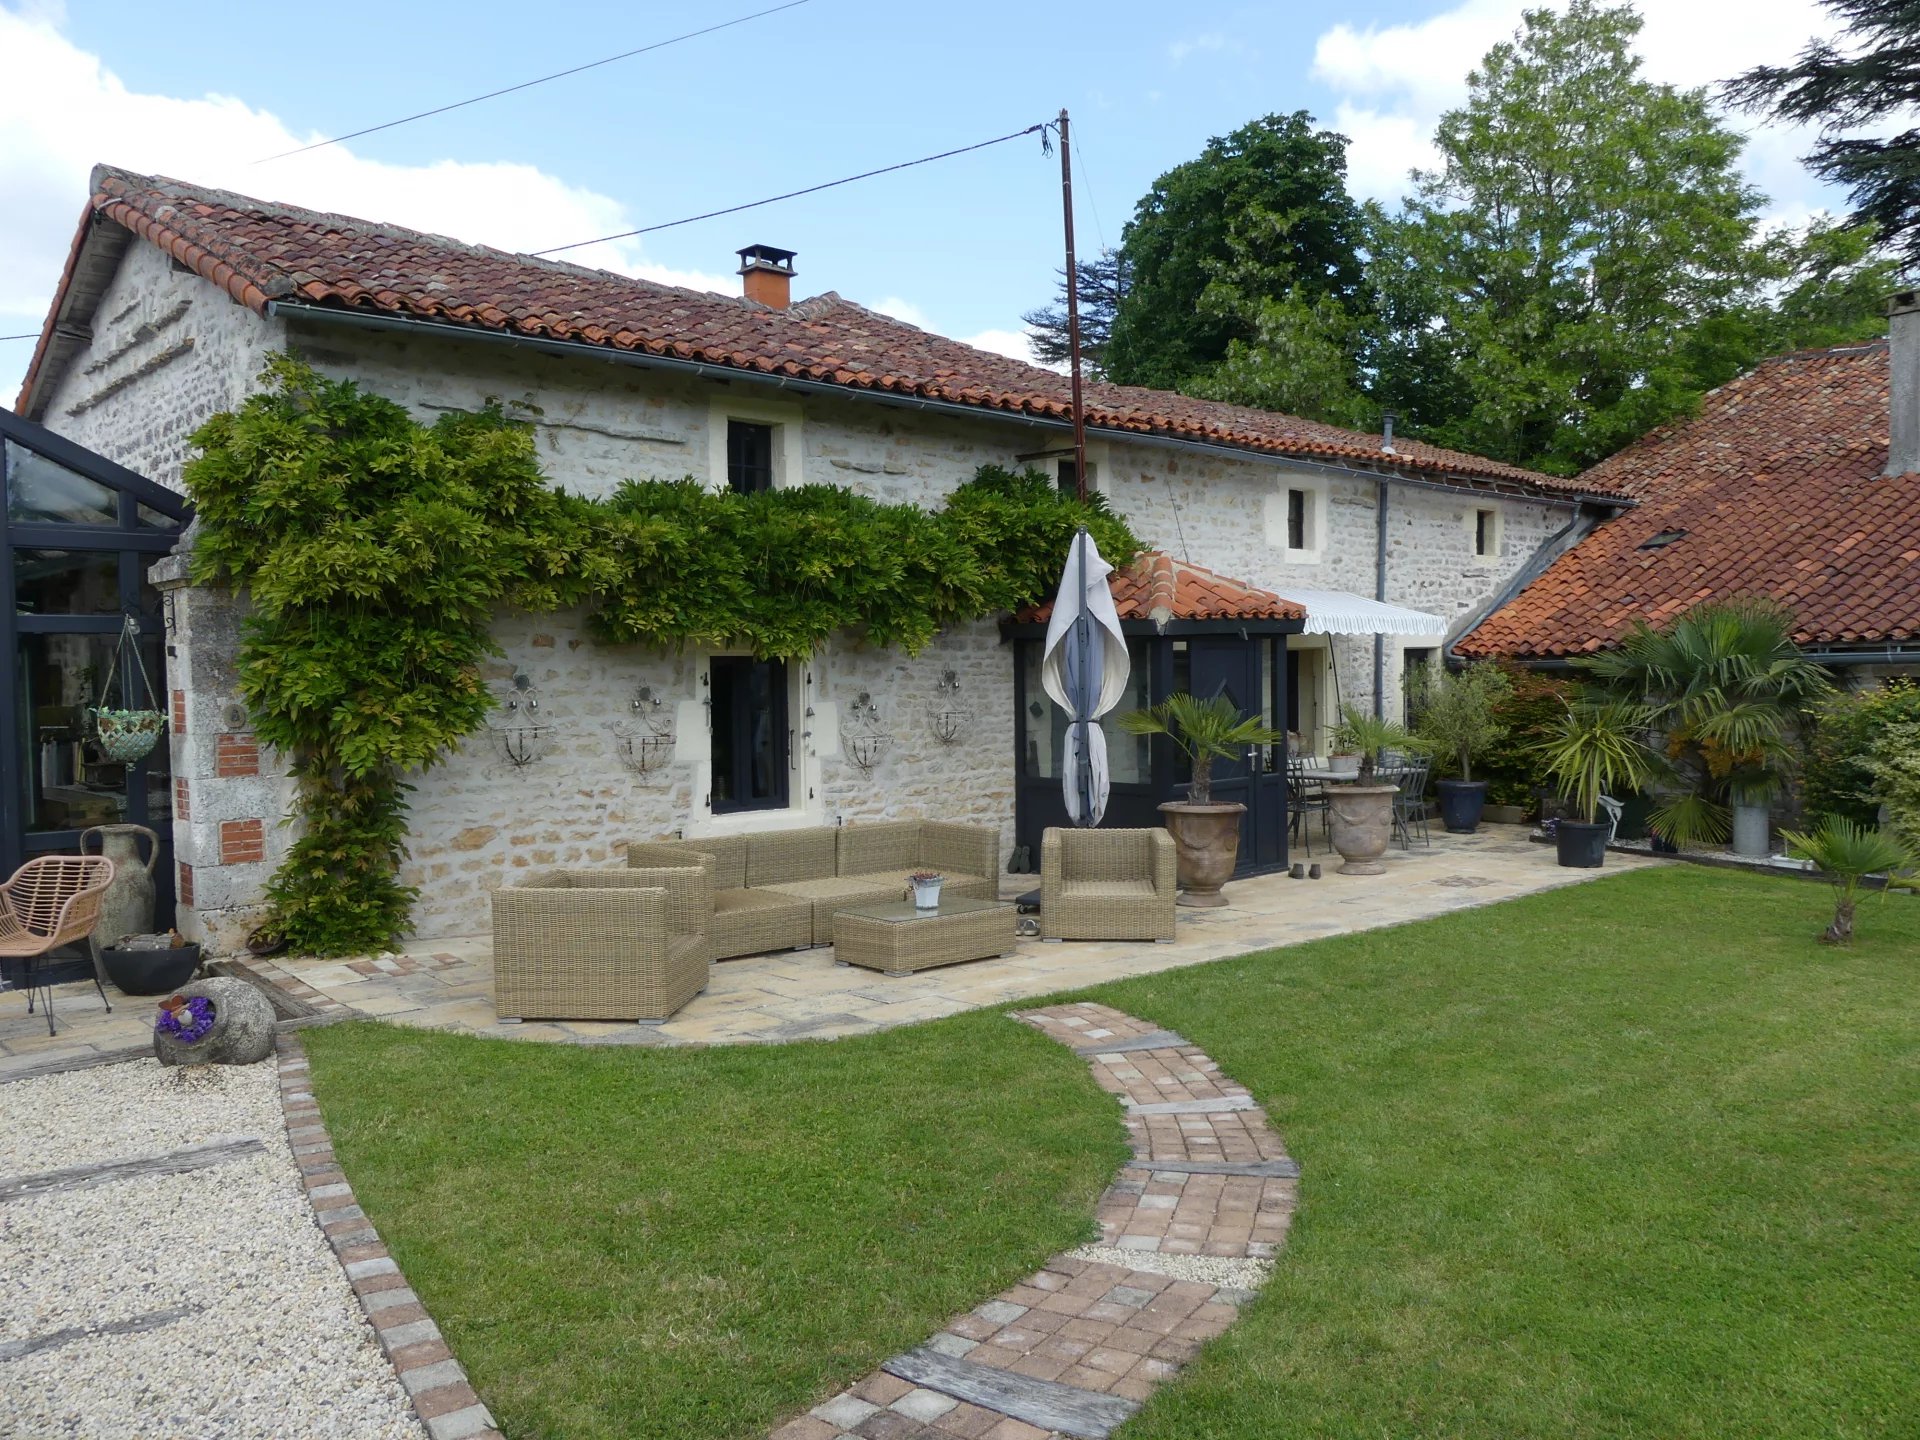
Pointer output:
1362, 817
1207, 838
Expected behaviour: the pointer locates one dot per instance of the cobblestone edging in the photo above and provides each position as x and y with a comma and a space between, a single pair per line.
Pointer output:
434, 1381
1188, 1232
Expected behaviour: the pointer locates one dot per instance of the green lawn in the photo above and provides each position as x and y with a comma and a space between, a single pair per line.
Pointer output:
1636, 1158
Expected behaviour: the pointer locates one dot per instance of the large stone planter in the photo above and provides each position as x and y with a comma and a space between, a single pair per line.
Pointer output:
242, 1031
1362, 817
1207, 839
1752, 831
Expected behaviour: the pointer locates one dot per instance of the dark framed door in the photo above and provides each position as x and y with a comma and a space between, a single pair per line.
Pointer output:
1250, 672
80, 535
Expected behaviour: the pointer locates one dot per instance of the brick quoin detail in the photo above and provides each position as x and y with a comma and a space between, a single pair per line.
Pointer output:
235, 756
182, 804
179, 712
242, 841
184, 890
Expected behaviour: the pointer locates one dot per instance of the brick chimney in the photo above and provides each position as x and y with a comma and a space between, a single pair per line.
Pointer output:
1903, 387
766, 275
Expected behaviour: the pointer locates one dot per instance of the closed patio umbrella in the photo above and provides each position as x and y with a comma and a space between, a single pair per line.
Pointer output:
1083, 669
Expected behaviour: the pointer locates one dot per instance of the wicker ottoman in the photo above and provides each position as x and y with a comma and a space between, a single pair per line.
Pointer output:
899, 939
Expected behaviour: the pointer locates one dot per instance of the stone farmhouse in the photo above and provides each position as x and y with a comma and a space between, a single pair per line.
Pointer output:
1352, 556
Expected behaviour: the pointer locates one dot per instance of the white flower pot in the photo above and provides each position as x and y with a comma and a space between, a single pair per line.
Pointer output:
926, 894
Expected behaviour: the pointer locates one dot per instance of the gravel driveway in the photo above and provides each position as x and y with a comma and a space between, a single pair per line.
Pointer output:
197, 1305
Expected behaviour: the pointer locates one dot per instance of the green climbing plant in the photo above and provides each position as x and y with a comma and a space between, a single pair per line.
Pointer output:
376, 551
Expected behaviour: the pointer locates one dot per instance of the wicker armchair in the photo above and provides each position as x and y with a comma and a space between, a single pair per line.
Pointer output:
1107, 885
601, 944
50, 901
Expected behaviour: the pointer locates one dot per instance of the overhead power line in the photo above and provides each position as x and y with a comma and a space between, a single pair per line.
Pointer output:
529, 84
1043, 130
30, 335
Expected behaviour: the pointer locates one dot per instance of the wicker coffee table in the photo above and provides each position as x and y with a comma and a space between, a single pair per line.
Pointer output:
897, 938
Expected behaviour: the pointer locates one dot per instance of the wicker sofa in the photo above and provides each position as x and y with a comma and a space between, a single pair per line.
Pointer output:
1107, 885
601, 944
779, 889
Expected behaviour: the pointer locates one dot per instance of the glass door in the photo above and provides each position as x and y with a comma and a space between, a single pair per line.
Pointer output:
81, 533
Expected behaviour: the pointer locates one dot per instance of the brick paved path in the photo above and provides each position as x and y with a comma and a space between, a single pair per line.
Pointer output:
1188, 1232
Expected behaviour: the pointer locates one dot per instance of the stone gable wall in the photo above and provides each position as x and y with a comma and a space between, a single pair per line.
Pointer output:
168, 351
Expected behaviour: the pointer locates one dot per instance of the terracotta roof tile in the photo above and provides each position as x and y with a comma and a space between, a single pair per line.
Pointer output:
259, 251
1773, 489
1157, 587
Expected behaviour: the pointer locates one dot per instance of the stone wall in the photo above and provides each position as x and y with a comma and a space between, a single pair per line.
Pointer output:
168, 350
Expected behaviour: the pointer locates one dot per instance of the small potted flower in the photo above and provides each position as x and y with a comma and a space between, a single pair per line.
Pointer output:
184, 1021
926, 888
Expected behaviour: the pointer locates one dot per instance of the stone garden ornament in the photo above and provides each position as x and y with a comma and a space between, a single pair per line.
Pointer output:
219, 1021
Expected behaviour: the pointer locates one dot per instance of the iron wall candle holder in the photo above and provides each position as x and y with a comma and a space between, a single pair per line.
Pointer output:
866, 742
949, 716
520, 739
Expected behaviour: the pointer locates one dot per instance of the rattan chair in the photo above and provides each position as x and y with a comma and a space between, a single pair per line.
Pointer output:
50, 901
1107, 885
601, 944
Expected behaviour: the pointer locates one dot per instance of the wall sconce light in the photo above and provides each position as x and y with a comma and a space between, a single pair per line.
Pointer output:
520, 738
949, 715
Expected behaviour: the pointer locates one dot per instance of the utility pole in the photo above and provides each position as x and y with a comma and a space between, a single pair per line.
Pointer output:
1073, 313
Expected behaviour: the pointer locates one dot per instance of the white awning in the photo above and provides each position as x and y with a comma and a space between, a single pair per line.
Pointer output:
1340, 612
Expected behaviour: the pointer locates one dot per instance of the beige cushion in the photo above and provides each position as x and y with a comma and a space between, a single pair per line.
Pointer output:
776, 857
729, 854
881, 845
1109, 889
752, 922
834, 894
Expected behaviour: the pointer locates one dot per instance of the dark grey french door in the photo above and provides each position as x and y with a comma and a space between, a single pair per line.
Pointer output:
80, 535
1250, 672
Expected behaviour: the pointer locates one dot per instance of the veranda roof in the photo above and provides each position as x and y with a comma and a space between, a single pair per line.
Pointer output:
1341, 612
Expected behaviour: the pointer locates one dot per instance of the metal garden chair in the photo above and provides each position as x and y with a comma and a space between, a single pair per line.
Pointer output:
50, 901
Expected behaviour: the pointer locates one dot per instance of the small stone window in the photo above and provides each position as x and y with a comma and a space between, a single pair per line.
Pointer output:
1296, 519
1486, 532
1067, 479
749, 456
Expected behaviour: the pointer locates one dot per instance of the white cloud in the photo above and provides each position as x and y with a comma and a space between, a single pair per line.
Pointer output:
61, 110
1395, 80
1011, 343
1196, 45
905, 310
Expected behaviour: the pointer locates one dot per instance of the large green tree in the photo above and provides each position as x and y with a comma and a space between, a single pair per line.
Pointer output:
1245, 272
1871, 77
1103, 285
1588, 248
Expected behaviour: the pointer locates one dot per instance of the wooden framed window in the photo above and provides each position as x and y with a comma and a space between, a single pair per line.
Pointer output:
752, 744
749, 456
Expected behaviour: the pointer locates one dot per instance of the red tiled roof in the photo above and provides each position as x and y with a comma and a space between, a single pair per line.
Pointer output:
1773, 489
1157, 587
260, 251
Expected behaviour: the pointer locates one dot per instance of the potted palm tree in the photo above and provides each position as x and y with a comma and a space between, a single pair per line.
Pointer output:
1725, 684
1360, 812
1206, 836
1595, 750
1847, 852
1457, 720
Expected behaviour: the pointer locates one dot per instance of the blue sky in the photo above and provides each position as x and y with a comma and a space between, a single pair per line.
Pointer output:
813, 93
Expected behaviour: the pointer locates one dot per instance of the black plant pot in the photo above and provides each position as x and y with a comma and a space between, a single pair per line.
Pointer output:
1582, 846
1461, 802
150, 972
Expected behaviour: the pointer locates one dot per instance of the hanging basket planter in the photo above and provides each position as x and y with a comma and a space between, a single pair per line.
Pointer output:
128, 735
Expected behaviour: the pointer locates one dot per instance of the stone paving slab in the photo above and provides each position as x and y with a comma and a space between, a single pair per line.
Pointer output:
447, 984
1077, 1346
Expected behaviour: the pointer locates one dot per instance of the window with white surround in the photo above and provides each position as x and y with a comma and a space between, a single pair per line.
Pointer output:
751, 740
754, 444
1484, 525
1296, 515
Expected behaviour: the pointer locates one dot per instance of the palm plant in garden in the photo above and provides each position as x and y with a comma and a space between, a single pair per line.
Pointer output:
1596, 750
1848, 852
1726, 685
1204, 731
1367, 736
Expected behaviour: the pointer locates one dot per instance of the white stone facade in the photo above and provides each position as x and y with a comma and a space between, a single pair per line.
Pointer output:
477, 818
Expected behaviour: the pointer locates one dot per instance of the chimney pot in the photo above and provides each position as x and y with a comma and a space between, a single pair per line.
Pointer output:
766, 275
1903, 382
